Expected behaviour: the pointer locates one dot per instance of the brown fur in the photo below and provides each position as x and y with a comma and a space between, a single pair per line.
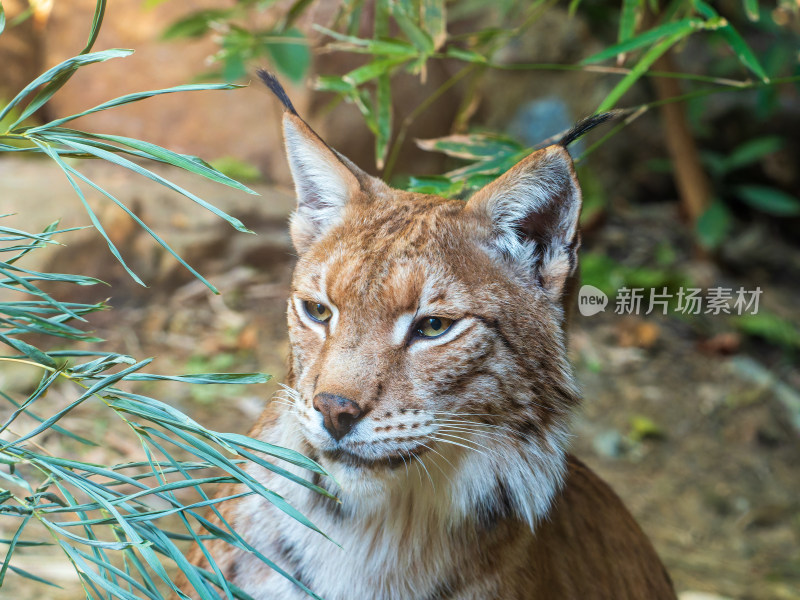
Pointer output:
497, 508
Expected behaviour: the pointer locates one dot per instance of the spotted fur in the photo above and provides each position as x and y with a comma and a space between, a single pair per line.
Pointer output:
455, 482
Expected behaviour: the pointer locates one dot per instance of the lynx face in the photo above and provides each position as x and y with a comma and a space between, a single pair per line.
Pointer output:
424, 327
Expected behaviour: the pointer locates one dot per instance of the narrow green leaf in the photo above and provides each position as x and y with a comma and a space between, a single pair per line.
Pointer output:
144, 226
11, 547
32, 577
769, 200
124, 162
195, 25
677, 29
433, 18
205, 378
751, 8
97, 21
369, 46
473, 146
2, 18
189, 163
92, 216
733, 39
713, 225
30, 351
383, 116
627, 19
372, 70
135, 97
50, 77
291, 59
752, 151
640, 69
466, 55
331, 83
402, 12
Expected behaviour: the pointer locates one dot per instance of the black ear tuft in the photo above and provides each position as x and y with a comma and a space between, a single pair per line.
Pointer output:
276, 88
581, 127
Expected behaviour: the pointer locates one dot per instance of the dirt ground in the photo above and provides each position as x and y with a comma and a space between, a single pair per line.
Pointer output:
693, 432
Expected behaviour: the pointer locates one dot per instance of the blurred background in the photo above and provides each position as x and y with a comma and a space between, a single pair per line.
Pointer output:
694, 419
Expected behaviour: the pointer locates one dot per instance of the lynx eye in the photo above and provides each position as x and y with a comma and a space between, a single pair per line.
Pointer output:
431, 327
318, 312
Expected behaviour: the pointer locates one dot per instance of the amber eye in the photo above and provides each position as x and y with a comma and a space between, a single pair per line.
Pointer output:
431, 327
318, 312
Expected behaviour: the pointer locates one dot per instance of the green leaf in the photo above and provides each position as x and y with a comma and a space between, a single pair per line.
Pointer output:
187, 162
433, 18
627, 19
751, 8
473, 146
204, 378
92, 216
12, 546
196, 24
752, 151
31, 352
677, 29
438, 185
332, 83
369, 46
469, 56
713, 225
733, 39
53, 79
291, 59
135, 97
97, 22
402, 11
383, 116
769, 200
640, 69
2, 18
124, 162
372, 70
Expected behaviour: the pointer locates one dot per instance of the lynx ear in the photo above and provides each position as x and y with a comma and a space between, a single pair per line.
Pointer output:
533, 214
323, 181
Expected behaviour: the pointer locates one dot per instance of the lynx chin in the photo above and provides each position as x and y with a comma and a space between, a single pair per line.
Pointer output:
428, 375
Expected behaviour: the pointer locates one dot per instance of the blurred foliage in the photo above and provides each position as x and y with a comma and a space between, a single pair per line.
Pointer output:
714, 225
117, 524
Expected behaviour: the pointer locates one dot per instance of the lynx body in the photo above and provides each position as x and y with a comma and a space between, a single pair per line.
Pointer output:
428, 375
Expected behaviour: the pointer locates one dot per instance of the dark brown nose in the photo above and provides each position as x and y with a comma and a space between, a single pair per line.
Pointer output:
340, 414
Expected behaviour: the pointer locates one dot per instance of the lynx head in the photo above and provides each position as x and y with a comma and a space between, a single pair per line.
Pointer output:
430, 329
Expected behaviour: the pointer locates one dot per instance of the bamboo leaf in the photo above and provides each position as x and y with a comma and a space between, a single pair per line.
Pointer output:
627, 19
135, 97
433, 18
677, 29
769, 200
733, 39
291, 59
751, 8
640, 69
124, 162
54, 78
383, 116
372, 70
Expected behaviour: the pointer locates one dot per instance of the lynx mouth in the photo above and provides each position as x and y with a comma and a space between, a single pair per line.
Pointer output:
391, 461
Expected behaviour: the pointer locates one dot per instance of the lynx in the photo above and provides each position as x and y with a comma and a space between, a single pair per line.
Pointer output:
428, 374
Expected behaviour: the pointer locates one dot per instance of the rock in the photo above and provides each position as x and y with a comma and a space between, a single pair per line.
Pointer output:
609, 444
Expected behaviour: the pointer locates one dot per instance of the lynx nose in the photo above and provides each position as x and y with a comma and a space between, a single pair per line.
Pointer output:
340, 414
